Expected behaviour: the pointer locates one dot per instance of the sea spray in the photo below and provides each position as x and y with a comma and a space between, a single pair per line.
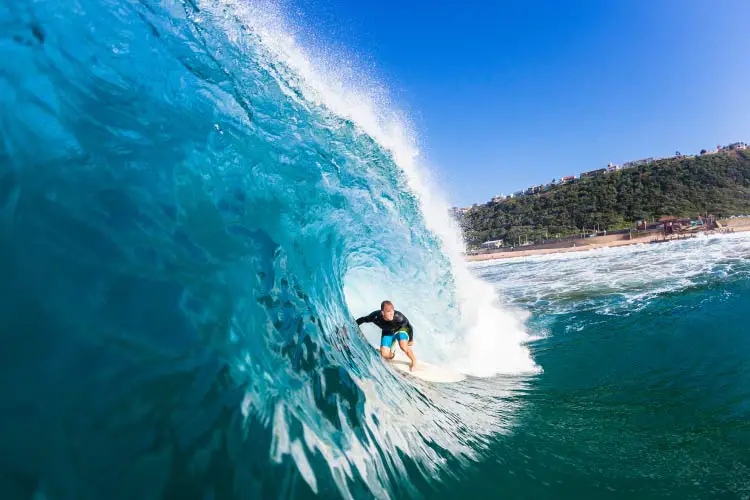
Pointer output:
468, 329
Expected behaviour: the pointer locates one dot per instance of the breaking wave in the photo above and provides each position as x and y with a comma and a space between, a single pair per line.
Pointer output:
193, 209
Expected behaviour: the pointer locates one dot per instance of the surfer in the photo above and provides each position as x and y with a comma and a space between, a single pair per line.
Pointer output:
395, 327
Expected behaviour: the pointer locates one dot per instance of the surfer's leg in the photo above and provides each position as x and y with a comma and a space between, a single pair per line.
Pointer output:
385, 347
403, 343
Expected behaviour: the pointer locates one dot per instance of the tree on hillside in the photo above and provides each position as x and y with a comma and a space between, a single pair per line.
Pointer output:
684, 187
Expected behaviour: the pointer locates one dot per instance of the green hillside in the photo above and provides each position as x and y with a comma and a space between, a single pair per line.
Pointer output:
686, 187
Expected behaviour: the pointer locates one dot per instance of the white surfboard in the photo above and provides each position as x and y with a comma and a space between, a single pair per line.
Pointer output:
425, 371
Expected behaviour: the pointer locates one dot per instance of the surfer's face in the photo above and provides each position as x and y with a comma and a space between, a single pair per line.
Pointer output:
387, 313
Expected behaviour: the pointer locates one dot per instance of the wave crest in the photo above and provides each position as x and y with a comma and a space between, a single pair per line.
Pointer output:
187, 253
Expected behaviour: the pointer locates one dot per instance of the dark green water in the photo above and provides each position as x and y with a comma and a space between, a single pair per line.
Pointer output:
651, 400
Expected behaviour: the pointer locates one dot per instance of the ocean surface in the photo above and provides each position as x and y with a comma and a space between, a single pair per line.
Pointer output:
646, 385
194, 208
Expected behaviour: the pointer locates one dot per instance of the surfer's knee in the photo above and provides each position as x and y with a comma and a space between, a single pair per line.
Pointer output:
385, 352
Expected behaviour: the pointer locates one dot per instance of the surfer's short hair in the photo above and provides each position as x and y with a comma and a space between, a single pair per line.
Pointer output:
385, 303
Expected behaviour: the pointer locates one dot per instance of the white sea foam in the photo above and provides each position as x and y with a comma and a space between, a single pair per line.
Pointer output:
636, 273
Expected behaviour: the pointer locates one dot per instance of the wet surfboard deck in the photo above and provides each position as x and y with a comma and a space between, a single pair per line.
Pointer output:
425, 371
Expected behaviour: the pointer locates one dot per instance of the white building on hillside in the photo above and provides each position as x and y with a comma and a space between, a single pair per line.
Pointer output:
492, 244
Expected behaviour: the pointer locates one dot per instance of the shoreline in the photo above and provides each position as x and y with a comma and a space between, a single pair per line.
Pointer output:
742, 226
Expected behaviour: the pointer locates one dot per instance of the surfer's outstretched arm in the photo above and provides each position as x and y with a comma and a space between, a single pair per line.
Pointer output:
370, 318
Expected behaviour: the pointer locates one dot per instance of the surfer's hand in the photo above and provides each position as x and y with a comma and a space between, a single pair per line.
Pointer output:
411, 343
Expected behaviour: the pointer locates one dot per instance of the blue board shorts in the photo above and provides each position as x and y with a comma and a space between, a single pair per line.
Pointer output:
386, 339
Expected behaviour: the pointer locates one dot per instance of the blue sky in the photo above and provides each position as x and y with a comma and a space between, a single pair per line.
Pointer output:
509, 94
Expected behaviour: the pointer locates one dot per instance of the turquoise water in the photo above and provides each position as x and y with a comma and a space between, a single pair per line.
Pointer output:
193, 210
645, 388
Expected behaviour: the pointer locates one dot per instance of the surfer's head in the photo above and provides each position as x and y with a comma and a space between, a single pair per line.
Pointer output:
386, 307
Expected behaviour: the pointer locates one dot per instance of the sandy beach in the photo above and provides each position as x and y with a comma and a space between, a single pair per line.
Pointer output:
730, 225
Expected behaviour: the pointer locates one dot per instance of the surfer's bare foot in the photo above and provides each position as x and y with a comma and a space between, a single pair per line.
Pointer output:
412, 366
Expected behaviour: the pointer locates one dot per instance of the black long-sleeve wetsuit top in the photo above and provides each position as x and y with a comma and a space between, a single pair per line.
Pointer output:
398, 322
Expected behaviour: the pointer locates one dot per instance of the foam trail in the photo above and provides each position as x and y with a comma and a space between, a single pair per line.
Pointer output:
569, 276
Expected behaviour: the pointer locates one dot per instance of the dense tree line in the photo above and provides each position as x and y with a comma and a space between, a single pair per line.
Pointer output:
716, 184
